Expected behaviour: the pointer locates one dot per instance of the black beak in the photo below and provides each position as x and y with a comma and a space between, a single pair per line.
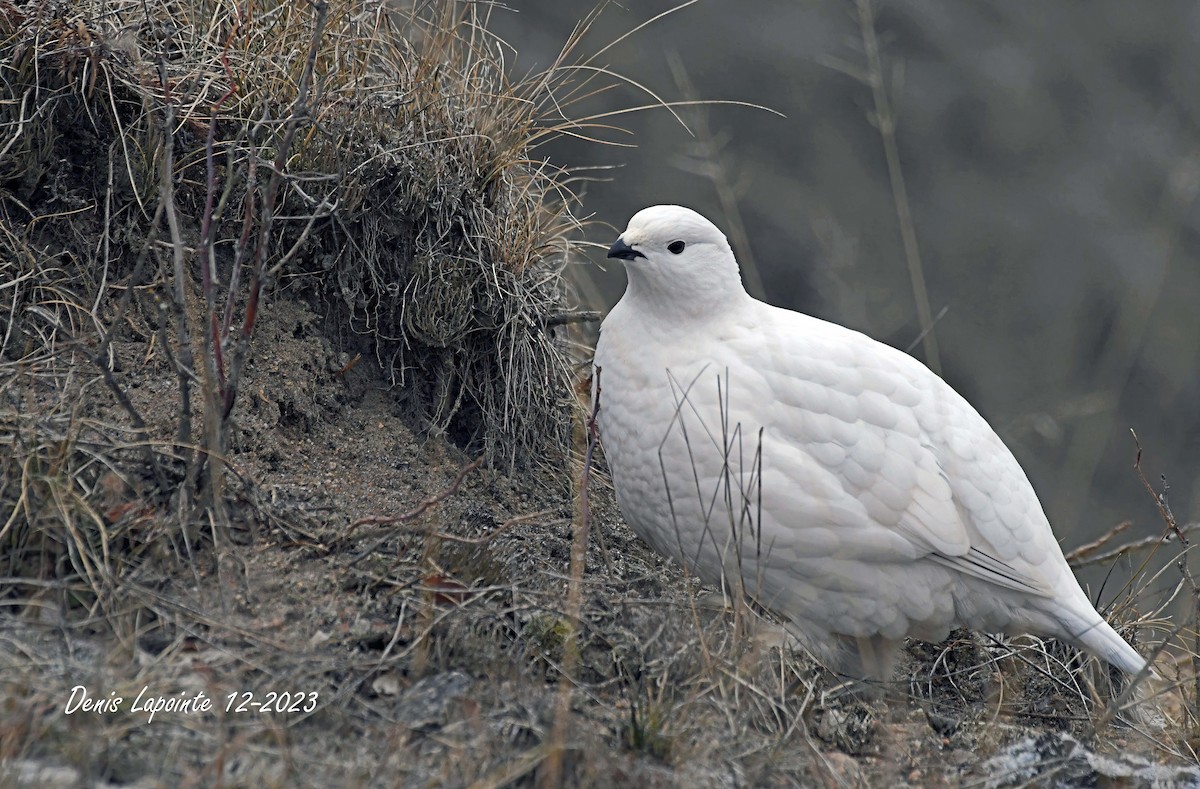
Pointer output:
621, 250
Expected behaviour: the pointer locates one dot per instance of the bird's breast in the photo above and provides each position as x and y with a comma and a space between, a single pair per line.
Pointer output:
684, 453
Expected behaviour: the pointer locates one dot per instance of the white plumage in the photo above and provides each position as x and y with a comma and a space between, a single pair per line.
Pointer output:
839, 481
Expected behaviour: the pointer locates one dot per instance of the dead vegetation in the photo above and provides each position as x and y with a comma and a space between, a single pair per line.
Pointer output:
270, 274
169, 170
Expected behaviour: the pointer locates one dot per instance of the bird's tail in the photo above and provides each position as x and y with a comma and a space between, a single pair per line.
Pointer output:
1138, 703
1097, 636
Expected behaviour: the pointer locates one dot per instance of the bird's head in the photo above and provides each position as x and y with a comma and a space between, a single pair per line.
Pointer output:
676, 259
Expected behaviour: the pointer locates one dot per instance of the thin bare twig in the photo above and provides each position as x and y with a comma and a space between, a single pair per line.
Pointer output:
1121, 550
431, 500
885, 122
185, 363
563, 318
516, 520
1095, 545
551, 775
1164, 511
101, 357
707, 161
300, 110
426, 503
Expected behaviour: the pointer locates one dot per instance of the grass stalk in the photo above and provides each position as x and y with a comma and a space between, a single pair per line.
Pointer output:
885, 122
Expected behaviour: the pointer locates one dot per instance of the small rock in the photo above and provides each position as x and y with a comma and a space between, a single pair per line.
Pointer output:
1068, 762
428, 703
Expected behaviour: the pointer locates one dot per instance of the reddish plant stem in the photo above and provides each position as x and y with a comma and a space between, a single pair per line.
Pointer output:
270, 197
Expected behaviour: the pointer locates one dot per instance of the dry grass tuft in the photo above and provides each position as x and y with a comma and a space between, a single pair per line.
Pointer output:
166, 168
75, 523
374, 155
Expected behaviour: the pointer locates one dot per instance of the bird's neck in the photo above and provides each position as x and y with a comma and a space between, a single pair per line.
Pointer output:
685, 301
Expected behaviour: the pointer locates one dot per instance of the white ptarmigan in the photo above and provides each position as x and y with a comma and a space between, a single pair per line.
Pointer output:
836, 479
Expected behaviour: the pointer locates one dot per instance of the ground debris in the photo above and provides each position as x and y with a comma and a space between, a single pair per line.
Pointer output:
1059, 760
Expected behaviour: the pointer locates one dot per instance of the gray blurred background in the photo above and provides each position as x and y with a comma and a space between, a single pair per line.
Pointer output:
1052, 159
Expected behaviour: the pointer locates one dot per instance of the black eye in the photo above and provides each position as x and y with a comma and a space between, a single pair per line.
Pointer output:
676, 247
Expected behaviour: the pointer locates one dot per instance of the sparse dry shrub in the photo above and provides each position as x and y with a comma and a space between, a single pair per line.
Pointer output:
166, 167
407, 202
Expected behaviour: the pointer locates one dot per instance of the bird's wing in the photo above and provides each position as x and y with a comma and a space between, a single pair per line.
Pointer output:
901, 453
